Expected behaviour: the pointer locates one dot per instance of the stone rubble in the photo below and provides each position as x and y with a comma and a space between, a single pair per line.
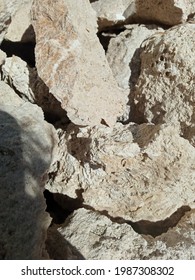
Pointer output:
26, 146
97, 129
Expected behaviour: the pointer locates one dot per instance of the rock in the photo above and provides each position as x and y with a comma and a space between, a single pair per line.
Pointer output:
30, 87
124, 51
165, 88
111, 13
115, 13
26, 146
20, 28
105, 239
164, 12
2, 57
129, 171
72, 63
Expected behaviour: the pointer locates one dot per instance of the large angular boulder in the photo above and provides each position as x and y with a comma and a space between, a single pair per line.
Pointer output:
72, 63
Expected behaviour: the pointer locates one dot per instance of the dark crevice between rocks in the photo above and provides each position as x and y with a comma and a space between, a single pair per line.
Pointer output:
60, 206
26, 51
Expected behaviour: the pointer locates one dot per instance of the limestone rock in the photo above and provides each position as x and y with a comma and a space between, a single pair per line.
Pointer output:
29, 86
165, 88
131, 171
26, 148
72, 63
105, 239
20, 28
124, 50
111, 12
166, 12
2, 57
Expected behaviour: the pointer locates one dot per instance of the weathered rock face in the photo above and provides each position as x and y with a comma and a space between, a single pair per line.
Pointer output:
130, 171
123, 52
104, 239
72, 63
111, 12
165, 88
7, 11
29, 86
26, 148
20, 27
2, 57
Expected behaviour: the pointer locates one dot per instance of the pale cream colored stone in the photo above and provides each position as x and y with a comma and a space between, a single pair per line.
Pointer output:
137, 172
26, 146
2, 57
29, 86
94, 236
165, 89
72, 63
124, 51
20, 27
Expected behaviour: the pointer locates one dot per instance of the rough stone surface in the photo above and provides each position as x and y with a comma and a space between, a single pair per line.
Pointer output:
166, 12
131, 171
29, 86
26, 148
105, 239
7, 11
72, 63
124, 50
2, 57
111, 12
20, 28
165, 88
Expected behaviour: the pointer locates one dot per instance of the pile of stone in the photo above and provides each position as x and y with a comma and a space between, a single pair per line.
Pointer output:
97, 129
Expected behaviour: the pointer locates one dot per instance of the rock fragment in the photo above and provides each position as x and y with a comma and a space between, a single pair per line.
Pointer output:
26, 147
72, 63
129, 171
109, 240
164, 91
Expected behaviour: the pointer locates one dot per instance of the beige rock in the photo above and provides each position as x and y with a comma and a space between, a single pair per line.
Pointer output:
111, 12
124, 51
26, 148
136, 172
166, 12
165, 88
72, 63
105, 239
2, 57
29, 86
20, 28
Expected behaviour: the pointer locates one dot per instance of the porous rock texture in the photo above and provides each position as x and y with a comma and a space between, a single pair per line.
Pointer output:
123, 52
165, 89
107, 240
131, 171
72, 63
26, 148
117, 177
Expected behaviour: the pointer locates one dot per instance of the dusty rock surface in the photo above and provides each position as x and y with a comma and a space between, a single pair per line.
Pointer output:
131, 171
165, 88
97, 129
105, 239
20, 27
26, 146
73, 64
123, 52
